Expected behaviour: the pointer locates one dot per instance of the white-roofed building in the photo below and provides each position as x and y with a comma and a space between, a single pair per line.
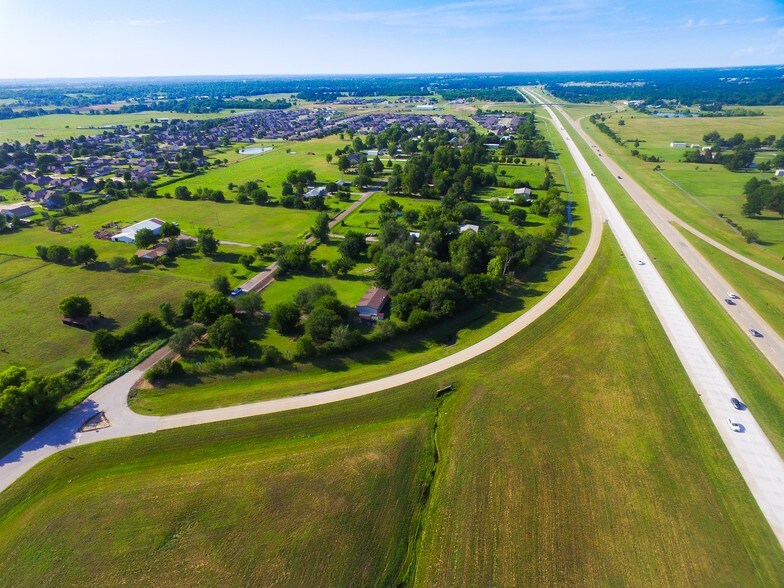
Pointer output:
128, 234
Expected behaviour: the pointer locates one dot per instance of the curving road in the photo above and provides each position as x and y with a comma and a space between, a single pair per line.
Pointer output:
112, 399
758, 461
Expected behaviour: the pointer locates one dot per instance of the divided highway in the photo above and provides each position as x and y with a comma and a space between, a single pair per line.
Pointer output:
756, 458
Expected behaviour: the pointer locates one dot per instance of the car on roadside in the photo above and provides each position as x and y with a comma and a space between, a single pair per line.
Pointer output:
734, 425
737, 404
237, 292
733, 296
755, 333
729, 301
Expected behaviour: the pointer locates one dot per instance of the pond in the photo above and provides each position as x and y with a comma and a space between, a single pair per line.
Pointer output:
254, 150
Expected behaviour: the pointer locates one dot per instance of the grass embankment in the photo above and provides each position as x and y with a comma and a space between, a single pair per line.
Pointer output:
763, 292
397, 355
572, 464
757, 382
319, 497
709, 189
588, 459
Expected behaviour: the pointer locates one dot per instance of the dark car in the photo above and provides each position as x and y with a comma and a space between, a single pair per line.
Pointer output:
729, 301
737, 404
755, 332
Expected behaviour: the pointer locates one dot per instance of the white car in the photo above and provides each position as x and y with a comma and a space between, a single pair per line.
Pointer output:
640, 262
735, 426
733, 296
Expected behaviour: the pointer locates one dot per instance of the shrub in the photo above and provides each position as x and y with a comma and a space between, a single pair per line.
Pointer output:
228, 334
285, 317
105, 343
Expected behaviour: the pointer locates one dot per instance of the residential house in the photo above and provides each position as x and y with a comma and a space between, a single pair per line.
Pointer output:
373, 305
152, 254
16, 212
468, 227
317, 191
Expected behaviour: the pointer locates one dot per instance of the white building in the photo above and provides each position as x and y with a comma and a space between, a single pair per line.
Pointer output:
128, 234
318, 191
678, 145
779, 173
522, 192
469, 227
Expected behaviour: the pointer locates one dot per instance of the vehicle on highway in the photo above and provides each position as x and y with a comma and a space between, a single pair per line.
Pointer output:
729, 301
593, 174
733, 296
620, 178
640, 262
735, 426
755, 332
237, 292
737, 404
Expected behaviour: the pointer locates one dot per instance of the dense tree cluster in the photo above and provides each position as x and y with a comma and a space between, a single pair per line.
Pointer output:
763, 195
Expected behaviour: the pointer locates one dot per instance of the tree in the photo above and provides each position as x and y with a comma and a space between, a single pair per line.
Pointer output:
353, 246
145, 238
207, 243
221, 284
477, 287
251, 303
305, 348
754, 203
182, 340
209, 307
169, 230
167, 313
341, 266
285, 317
228, 334
307, 297
260, 196
517, 217
105, 343
54, 253
344, 163
246, 261
329, 158
320, 229
320, 323
182, 193
84, 254
75, 306
73, 198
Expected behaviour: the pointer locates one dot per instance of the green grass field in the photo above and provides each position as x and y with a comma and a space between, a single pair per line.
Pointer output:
31, 289
698, 193
550, 472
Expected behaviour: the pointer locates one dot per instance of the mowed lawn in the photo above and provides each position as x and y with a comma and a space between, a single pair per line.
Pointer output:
323, 497
31, 290
588, 459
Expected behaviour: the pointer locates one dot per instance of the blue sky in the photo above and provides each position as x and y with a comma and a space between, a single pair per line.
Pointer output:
82, 38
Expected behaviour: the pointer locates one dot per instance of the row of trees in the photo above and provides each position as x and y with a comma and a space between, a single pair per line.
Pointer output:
763, 195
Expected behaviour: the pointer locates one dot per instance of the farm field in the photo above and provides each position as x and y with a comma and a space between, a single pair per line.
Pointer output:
756, 381
534, 465
63, 126
706, 190
579, 476
325, 494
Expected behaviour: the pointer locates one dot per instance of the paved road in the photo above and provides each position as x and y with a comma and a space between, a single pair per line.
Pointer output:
758, 461
112, 398
265, 277
771, 344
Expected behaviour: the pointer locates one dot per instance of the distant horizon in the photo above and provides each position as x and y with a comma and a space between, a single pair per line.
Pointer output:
284, 76
88, 39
